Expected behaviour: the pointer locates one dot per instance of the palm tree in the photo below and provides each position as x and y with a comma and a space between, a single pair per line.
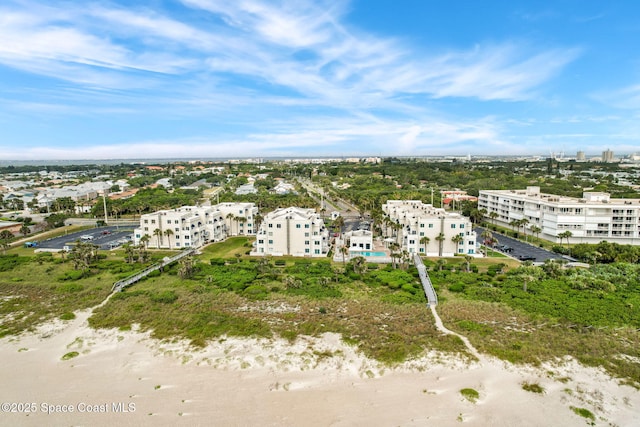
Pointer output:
523, 223
158, 233
536, 230
467, 260
493, 216
230, 217
5, 237
240, 220
25, 229
344, 251
168, 232
425, 241
359, 265
128, 252
338, 224
457, 239
440, 238
145, 240
565, 235
487, 238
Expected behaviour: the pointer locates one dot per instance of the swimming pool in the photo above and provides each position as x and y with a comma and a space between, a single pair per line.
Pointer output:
368, 253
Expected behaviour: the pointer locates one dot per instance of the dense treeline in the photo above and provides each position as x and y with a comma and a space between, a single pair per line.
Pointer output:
372, 185
603, 252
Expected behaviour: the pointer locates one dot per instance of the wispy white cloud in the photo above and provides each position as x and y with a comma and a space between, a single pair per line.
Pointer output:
271, 62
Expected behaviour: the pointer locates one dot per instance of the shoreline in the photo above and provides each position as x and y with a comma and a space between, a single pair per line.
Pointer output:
314, 382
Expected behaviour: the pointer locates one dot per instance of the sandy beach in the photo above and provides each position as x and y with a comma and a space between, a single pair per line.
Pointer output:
130, 379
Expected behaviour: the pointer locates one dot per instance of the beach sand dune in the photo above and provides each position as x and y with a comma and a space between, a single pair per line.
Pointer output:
129, 379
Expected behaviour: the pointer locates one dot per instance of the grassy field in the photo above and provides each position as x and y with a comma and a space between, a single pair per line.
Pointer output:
589, 315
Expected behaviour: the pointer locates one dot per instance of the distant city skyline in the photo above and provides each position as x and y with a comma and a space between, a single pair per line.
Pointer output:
189, 79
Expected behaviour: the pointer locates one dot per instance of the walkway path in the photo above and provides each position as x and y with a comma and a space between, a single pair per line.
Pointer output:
432, 301
440, 326
121, 284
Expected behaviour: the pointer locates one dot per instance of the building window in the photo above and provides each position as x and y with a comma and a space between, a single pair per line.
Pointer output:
278, 225
430, 225
316, 251
306, 226
306, 234
306, 251
298, 226
306, 242
270, 241
453, 226
261, 241
270, 225
461, 225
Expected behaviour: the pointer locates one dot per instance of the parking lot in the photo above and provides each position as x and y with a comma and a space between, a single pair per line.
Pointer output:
105, 237
520, 250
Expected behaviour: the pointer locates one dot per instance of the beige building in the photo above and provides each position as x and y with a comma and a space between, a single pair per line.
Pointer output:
591, 219
426, 230
292, 231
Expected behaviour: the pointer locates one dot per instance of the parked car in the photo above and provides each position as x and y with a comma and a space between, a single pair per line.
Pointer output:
105, 232
30, 244
526, 258
86, 237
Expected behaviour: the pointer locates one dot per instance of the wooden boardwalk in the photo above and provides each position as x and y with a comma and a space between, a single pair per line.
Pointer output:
429, 292
121, 284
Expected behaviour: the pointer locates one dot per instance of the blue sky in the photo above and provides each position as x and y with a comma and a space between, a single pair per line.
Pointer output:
258, 78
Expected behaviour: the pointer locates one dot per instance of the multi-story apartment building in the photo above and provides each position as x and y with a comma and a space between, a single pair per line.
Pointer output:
426, 230
591, 219
194, 226
240, 218
292, 231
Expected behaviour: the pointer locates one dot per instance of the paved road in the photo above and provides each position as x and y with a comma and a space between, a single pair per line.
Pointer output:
106, 237
521, 249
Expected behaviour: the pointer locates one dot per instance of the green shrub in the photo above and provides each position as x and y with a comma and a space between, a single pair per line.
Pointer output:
256, 292
470, 394
70, 287
457, 287
217, 261
165, 297
585, 413
71, 275
154, 273
67, 316
70, 355
533, 388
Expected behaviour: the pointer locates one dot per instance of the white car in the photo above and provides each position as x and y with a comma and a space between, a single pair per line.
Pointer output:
86, 237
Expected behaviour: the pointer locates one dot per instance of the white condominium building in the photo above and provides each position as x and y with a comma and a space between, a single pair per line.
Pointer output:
426, 230
292, 231
194, 226
240, 218
591, 219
